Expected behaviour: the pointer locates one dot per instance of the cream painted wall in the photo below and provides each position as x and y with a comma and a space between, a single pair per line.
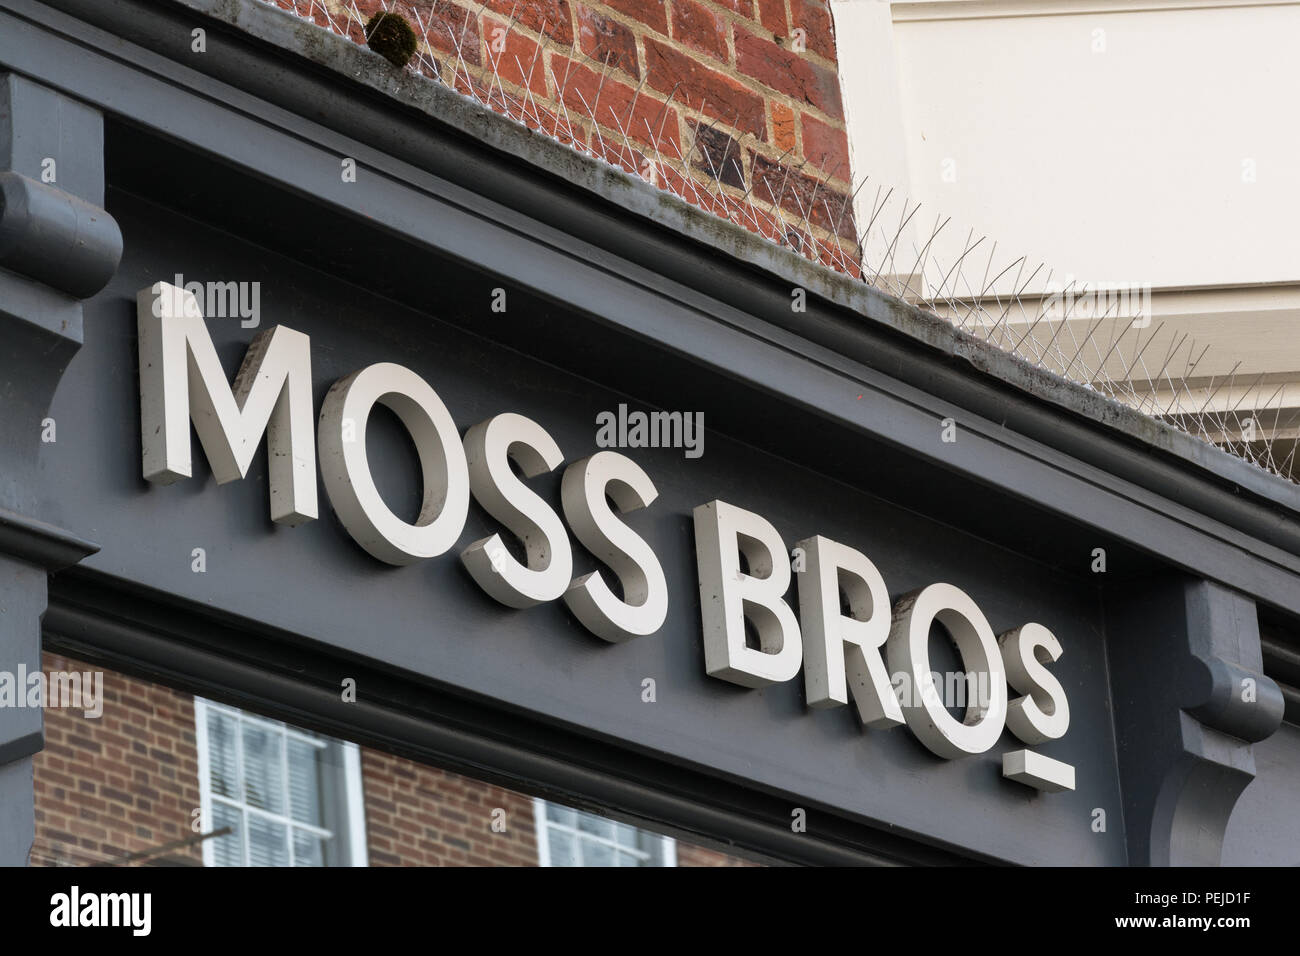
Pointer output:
1146, 143
1156, 144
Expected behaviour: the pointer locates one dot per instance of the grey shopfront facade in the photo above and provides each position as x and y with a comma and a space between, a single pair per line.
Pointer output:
1181, 657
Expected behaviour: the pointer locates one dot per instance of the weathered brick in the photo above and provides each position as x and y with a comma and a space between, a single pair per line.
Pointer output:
704, 89
814, 17
825, 147
771, 14
653, 13
806, 197
718, 156
551, 17
615, 106
700, 28
607, 41
517, 58
780, 68
744, 7
783, 127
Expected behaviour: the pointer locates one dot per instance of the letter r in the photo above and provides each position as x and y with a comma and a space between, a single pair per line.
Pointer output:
843, 653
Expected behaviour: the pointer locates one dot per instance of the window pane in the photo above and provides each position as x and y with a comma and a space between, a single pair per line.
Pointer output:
652, 849
305, 782
564, 815
562, 847
308, 849
268, 842
286, 791
227, 850
223, 774
594, 840
263, 769
599, 826
597, 854
626, 835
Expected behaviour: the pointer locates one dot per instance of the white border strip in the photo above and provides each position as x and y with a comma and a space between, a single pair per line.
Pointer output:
919, 10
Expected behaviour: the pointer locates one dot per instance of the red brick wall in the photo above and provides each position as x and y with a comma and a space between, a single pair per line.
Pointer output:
688, 855
422, 816
127, 781
738, 98
123, 782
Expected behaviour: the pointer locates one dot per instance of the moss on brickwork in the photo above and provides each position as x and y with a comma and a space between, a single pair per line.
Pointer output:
389, 35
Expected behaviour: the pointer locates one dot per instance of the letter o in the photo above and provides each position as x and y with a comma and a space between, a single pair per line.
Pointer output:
345, 466
908, 650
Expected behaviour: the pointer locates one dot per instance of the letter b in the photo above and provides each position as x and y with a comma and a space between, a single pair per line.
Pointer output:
730, 596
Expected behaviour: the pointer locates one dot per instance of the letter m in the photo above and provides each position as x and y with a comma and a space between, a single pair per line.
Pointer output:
117, 909
181, 380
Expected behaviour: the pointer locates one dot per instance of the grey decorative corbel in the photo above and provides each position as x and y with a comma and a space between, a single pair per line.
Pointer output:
1190, 699
56, 238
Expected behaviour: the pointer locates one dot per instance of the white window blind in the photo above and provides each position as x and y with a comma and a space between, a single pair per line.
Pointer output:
289, 797
567, 837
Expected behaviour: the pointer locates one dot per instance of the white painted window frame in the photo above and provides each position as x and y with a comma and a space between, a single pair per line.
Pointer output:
542, 826
353, 789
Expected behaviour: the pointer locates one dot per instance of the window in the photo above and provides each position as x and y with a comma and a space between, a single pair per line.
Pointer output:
568, 837
289, 797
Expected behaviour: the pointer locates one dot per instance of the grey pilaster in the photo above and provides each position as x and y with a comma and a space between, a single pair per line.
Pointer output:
58, 246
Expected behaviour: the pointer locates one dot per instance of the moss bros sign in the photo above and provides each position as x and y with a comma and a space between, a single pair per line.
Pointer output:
842, 650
